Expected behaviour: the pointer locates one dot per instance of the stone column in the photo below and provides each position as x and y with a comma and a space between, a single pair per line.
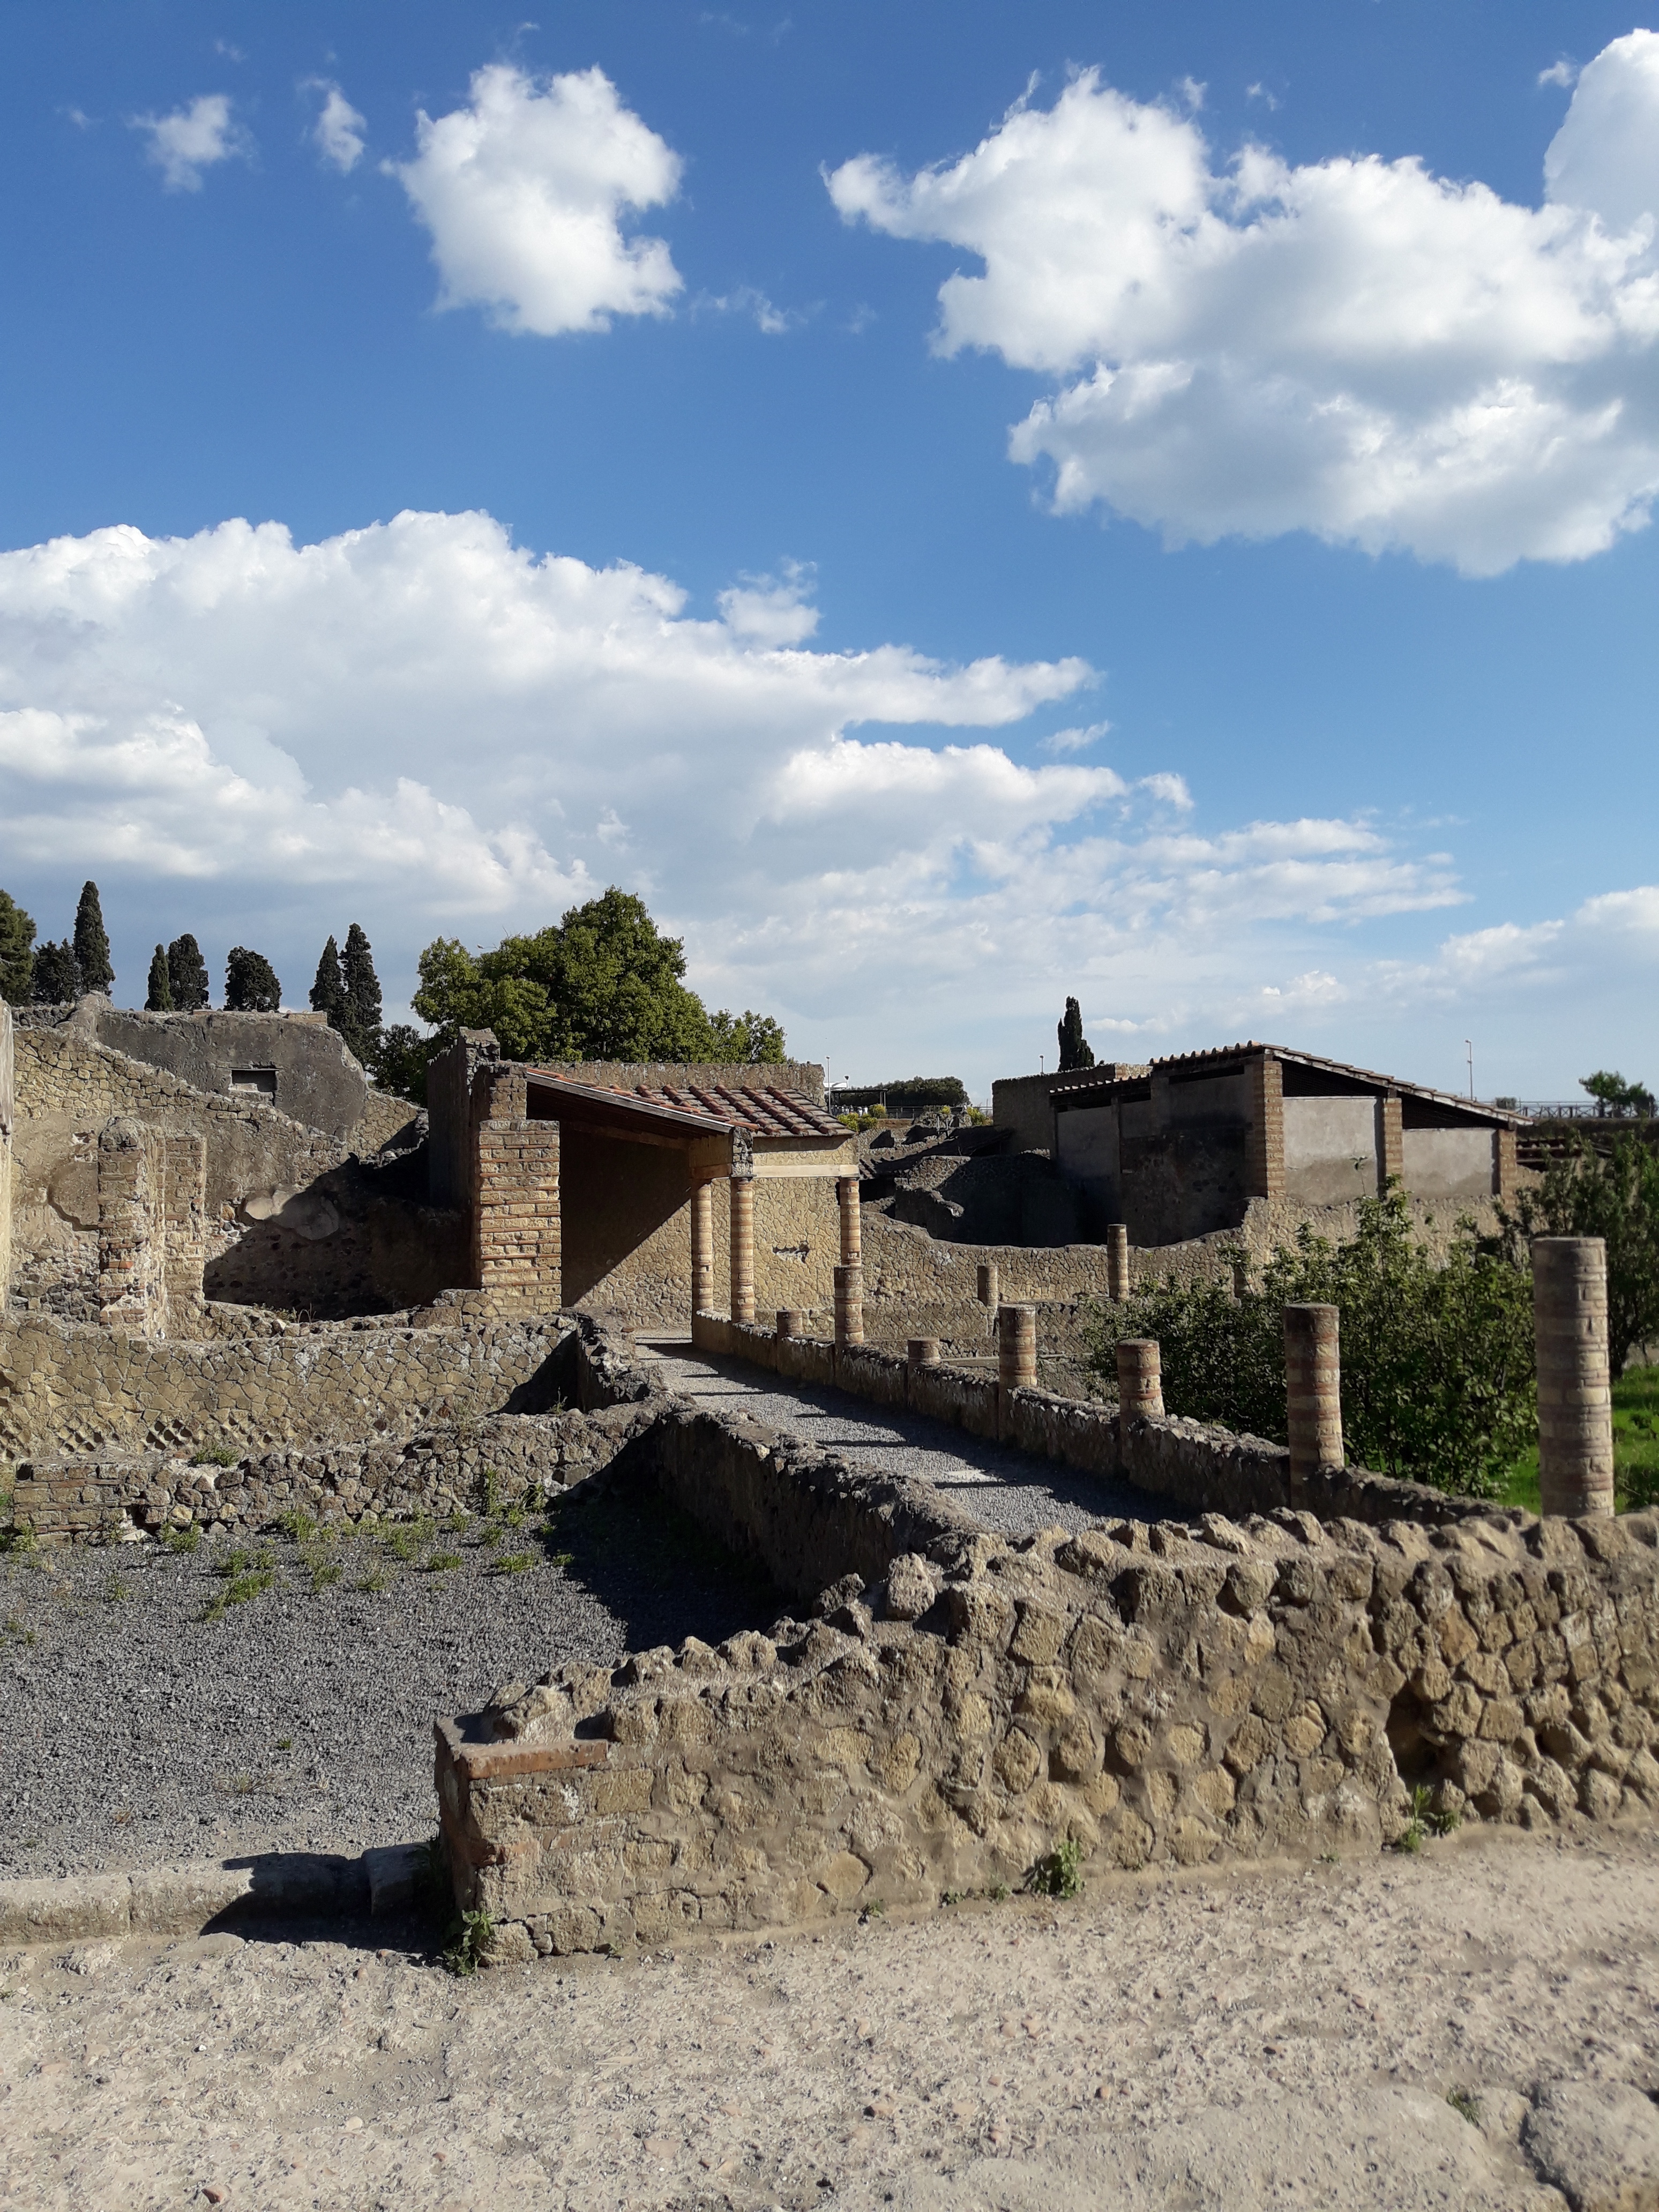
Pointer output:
921, 1351
1117, 1262
1313, 1390
742, 1189
788, 1321
1390, 1142
702, 1249
852, 1247
988, 1283
1575, 1386
1017, 1347
849, 1305
1264, 1140
1139, 1379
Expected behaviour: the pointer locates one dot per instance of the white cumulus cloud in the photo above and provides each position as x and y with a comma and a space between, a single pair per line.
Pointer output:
338, 133
1353, 347
525, 191
193, 138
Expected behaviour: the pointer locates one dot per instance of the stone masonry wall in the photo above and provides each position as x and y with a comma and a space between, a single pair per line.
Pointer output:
113, 1499
8, 1117
73, 1388
1167, 1696
514, 1198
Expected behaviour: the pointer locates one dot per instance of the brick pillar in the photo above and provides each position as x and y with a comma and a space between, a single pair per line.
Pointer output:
1117, 1262
988, 1283
852, 1242
1139, 1379
1505, 1163
131, 1228
1017, 1347
515, 1198
922, 1352
849, 1305
1390, 1142
742, 1192
789, 1321
1575, 1386
1264, 1141
1313, 1390
186, 1230
702, 1248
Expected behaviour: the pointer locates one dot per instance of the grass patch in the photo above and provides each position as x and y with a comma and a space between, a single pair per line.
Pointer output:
513, 1563
116, 1590
15, 1629
299, 1528
406, 1543
442, 1563
183, 1540
215, 1455
457, 1524
324, 1573
371, 1585
1466, 2106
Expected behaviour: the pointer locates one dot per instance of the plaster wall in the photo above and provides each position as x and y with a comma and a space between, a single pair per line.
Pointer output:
1086, 1153
1330, 1149
316, 1078
1019, 1104
1448, 1163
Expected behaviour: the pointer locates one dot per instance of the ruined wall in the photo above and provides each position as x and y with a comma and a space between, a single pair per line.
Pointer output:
1164, 1698
109, 1498
1019, 1104
302, 1067
8, 1117
73, 1388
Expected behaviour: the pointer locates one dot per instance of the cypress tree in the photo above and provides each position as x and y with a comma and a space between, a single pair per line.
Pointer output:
250, 984
360, 1026
328, 992
188, 975
158, 999
1073, 1045
57, 975
92, 943
17, 953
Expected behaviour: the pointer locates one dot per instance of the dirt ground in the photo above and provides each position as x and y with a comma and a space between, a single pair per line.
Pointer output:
1292, 2036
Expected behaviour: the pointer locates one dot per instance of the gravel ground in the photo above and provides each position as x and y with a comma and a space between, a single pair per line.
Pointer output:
1287, 2036
301, 1717
1007, 1490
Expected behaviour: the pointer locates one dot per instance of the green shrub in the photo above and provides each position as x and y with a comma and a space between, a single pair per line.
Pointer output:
1438, 1383
440, 1562
1060, 1874
213, 1456
183, 1540
469, 1938
513, 1563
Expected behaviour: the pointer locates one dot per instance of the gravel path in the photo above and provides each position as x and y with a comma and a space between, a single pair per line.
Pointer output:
1007, 1490
301, 1717
1193, 2043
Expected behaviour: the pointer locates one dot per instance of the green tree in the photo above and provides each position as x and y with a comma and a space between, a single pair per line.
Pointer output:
328, 992
1438, 1382
401, 1062
747, 1039
250, 984
56, 974
158, 998
188, 975
360, 1017
1616, 1198
1074, 1052
92, 943
604, 984
17, 953
1612, 1095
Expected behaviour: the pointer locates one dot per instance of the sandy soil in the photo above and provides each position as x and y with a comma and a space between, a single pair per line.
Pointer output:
1281, 2036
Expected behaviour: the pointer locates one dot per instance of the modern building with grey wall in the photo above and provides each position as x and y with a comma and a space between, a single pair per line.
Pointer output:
1181, 1149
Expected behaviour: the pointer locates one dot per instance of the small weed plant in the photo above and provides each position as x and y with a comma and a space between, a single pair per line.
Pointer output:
183, 1540
324, 1573
1466, 2106
998, 1893
116, 1590
1060, 1873
469, 1938
213, 1456
299, 1528
442, 1563
1411, 1837
513, 1563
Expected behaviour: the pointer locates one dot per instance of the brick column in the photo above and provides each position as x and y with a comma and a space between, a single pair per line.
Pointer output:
1017, 1347
849, 1305
1117, 1262
921, 1351
702, 1248
1390, 1142
515, 1198
742, 1192
1505, 1163
852, 1242
186, 1224
987, 1289
788, 1321
1313, 1390
1139, 1379
1264, 1142
1575, 1386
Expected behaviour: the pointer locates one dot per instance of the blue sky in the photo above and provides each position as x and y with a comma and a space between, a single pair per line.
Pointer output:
750, 455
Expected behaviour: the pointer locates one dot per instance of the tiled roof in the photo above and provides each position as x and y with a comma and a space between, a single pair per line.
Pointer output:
1084, 1080
766, 1110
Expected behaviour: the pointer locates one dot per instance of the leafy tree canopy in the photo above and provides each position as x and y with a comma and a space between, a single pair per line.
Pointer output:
1616, 1198
1438, 1382
916, 1094
17, 953
603, 984
92, 943
158, 997
250, 984
1612, 1095
56, 974
188, 975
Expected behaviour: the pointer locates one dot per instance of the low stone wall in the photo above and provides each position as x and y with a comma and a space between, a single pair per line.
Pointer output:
115, 1499
1205, 1468
72, 1387
1164, 1698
